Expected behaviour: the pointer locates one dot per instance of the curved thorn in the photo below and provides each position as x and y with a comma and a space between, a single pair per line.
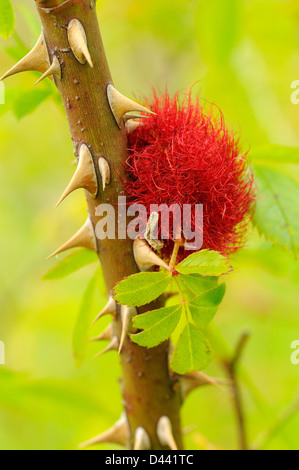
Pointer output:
107, 335
109, 309
78, 42
36, 60
126, 313
104, 171
165, 434
120, 105
131, 126
84, 238
142, 440
118, 434
145, 257
128, 117
84, 177
194, 380
55, 69
112, 346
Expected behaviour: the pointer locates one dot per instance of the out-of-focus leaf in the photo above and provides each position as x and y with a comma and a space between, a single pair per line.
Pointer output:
27, 102
206, 263
11, 95
31, 20
71, 264
158, 325
17, 50
276, 215
19, 393
192, 352
219, 25
7, 19
84, 319
275, 154
177, 13
142, 288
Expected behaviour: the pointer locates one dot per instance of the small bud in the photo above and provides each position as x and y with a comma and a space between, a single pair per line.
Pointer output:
151, 227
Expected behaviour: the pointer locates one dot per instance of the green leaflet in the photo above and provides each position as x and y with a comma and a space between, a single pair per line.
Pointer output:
206, 263
7, 19
192, 352
275, 154
276, 215
71, 264
22, 102
218, 43
83, 321
204, 307
158, 325
200, 297
210, 298
198, 284
21, 394
142, 288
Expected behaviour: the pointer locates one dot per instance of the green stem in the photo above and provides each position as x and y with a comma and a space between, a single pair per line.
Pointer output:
177, 245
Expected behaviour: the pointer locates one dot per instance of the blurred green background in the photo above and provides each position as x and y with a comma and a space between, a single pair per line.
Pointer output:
243, 54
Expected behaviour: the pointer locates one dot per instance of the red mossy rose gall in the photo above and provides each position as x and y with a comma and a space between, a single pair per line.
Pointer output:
185, 155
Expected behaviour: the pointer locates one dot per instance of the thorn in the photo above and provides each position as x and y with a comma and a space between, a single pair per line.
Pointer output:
85, 175
112, 346
107, 335
104, 171
126, 313
84, 238
129, 116
36, 60
131, 126
118, 434
109, 309
142, 440
164, 433
54, 69
193, 380
120, 105
145, 257
78, 42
